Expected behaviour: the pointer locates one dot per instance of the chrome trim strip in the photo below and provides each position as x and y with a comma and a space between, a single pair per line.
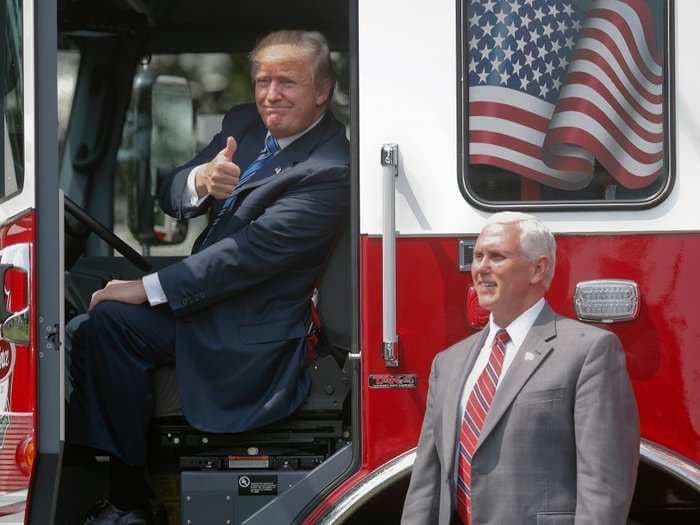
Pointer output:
10, 498
666, 460
10, 502
670, 462
368, 487
62, 314
18, 255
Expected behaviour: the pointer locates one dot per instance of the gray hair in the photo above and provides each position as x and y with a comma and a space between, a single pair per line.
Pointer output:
535, 238
311, 41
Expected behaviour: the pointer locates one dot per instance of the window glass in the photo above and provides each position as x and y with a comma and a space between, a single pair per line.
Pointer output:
68, 63
564, 100
11, 99
217, 82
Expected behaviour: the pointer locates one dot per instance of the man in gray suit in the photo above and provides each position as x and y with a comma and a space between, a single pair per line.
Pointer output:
533, 419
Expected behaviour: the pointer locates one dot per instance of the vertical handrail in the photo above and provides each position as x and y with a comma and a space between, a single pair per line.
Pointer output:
390, 170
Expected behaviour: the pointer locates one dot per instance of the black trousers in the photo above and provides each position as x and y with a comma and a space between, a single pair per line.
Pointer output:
113, 355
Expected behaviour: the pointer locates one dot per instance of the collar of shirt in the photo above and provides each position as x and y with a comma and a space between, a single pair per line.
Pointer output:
519, 327
286, 141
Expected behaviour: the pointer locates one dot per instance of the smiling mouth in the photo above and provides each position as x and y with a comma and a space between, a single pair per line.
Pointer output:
486, 286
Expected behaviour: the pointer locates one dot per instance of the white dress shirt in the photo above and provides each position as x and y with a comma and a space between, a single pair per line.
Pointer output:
151, 283
517, 331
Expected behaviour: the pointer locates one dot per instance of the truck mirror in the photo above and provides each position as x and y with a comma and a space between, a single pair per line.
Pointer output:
160, 125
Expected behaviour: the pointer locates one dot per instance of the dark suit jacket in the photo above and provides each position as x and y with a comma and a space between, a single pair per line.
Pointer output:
560, 443
241, 300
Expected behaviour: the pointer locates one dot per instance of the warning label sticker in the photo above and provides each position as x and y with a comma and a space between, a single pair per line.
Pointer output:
257, 485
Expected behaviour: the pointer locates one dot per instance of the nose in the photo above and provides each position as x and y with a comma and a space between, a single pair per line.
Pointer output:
481, 265
273, 92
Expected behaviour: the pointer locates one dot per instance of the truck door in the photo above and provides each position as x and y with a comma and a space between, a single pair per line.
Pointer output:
31, 399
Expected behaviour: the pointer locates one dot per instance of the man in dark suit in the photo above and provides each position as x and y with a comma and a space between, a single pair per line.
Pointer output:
531, 421
234, 315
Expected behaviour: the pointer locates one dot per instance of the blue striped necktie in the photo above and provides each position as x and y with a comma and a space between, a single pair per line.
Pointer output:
271, 147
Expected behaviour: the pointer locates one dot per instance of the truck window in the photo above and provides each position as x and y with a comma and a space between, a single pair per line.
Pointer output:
67, 64
564, 102
11, 100
217, 82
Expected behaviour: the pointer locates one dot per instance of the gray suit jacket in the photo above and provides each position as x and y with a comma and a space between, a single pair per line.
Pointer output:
560, 444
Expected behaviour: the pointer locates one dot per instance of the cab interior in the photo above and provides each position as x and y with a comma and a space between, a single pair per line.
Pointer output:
115, 58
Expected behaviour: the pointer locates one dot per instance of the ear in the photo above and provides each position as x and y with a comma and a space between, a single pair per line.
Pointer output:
539, 269
323, 91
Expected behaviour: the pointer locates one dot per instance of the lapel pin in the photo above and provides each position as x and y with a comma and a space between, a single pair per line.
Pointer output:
278, 170
529, 356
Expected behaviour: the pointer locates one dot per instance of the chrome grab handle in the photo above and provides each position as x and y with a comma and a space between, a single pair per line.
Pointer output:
390, 170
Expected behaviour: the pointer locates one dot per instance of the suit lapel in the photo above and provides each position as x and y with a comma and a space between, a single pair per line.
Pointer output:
298, 151
457, 376
536, 346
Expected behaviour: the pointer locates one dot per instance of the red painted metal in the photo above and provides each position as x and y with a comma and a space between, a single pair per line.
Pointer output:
18, 428
431, 294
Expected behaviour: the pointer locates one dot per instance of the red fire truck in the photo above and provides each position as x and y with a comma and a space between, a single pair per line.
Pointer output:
581, 112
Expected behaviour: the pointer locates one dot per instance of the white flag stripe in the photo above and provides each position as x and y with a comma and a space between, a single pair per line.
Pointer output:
507, 127
596, 46
570, 179
586, 123
581, 66
520, 132
511, 97
635, 25
564, 150
616, 119
606, 26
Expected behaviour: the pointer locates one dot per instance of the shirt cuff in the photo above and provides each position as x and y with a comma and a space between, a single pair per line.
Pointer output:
154, 291
192, 198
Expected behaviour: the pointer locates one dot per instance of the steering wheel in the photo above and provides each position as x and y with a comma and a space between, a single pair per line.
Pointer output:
105, 234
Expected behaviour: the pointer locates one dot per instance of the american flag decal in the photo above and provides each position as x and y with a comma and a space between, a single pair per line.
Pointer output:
553, 90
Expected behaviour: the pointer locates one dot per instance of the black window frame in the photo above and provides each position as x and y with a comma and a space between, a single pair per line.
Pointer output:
669, 122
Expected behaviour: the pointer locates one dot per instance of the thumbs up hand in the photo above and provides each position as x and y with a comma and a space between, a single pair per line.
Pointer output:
219, 176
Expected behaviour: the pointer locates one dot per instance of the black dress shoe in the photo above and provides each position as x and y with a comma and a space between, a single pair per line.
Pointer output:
104, 513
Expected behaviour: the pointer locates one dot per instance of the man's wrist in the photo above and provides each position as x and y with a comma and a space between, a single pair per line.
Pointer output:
153, 289
199, 185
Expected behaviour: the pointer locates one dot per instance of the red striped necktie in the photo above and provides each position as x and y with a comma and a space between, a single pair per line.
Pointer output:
477, 407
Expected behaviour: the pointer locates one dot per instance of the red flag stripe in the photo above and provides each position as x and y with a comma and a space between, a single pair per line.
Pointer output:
609, 161
565, 164
614, 44
626, 76
574, 77
526, 171
508, 112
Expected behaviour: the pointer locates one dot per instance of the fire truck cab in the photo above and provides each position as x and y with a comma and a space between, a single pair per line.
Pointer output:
581, 112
